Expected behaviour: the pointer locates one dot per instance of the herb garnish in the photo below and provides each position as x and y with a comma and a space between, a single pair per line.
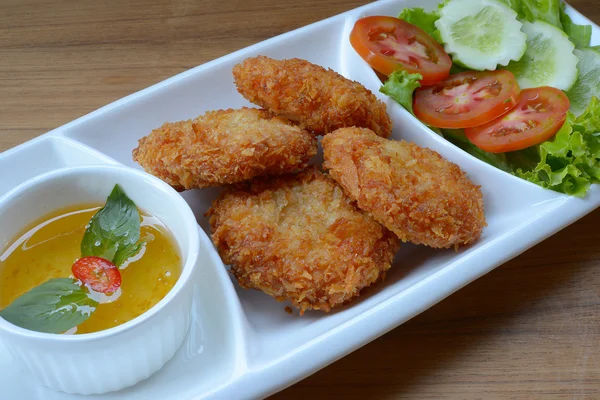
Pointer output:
60, 304
52, 307
114, 231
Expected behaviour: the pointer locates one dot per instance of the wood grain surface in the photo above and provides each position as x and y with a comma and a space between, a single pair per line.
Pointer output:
528, 330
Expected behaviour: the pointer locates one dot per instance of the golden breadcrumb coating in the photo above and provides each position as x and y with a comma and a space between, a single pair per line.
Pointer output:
318, 99
223, 147
413, 191
300, 238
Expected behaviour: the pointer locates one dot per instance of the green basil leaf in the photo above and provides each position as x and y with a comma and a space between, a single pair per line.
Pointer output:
52, 307
114, 230
126, 252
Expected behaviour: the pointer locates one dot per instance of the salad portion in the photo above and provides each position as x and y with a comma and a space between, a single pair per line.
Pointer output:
514, 83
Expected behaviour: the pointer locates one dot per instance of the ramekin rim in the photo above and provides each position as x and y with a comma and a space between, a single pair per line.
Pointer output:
191, 256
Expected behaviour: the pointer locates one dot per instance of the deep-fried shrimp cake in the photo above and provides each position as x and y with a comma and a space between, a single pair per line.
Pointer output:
299, 237
223, 147
413, 191
318, 99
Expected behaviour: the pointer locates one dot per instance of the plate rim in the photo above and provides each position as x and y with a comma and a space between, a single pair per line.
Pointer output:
377, 320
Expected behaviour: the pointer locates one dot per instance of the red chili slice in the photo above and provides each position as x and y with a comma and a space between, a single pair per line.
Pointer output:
97, 273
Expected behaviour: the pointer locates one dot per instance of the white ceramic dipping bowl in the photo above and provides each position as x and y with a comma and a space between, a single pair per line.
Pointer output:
124, 355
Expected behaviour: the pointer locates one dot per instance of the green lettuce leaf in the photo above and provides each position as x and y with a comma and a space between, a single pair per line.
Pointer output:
587, 85
556, 170
458, 138
580, 35
457, 68
545, 10
514, 4
570, 162
421, 18
400, 86
588, 123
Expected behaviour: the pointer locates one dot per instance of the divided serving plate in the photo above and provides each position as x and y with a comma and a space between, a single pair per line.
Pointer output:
242, 344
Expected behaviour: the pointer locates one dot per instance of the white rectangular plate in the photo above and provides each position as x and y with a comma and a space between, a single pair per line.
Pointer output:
242, 343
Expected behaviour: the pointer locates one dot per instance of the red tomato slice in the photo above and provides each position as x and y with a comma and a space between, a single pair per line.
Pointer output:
99, 274
389, 44
541, 112
467, 99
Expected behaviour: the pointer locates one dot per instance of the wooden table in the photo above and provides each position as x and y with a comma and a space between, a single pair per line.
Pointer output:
530, 329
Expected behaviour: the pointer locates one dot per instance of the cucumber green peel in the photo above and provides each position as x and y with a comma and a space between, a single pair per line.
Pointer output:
548, 60
550, 11
568, 163
481, 35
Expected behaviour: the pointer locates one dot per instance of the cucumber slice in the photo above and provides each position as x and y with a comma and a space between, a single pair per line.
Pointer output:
588, 83
548, 60
481, 34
